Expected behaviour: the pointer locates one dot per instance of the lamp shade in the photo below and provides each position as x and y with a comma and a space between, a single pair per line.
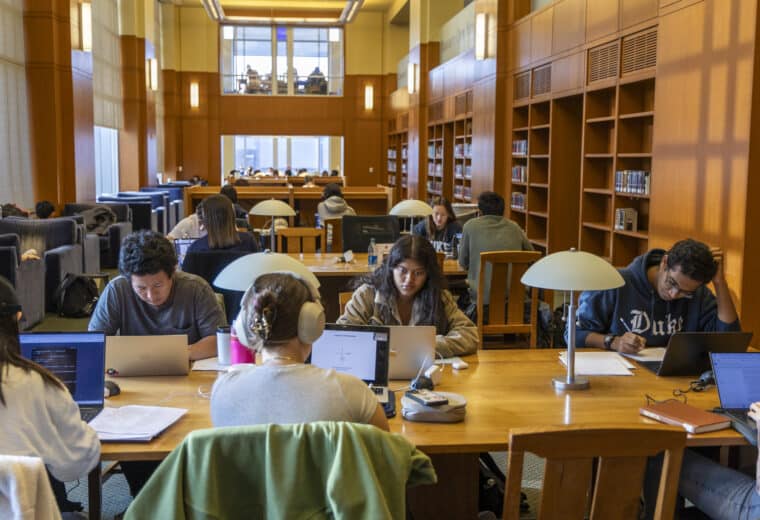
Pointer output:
240, 274
572, 271
272, 208
411, 208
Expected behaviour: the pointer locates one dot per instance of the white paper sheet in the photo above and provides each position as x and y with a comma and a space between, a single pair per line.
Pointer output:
134, 422
598, 364
210, 364
648, 354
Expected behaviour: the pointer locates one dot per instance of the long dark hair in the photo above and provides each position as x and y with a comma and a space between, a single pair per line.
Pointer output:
10, 354
218, 217
430, 297
450, 215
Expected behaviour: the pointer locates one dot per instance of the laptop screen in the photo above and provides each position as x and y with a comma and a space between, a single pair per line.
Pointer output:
737, 376
76, 358
361, 351
181, 246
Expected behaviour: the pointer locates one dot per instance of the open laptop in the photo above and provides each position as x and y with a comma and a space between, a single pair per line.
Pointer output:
359, 350
737, 377
411, 348
147, 355
77, 359
181, 246
687, 353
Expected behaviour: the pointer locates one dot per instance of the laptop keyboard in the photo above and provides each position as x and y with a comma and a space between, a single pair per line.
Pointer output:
88, 414
742, 423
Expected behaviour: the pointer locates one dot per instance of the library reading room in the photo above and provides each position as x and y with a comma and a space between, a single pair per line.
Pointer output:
379, 259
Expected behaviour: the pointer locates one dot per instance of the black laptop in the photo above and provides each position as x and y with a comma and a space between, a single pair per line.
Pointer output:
737, 377
360, 350
688, 353
78, 359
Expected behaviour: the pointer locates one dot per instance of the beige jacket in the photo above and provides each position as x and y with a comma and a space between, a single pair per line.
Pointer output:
461, 337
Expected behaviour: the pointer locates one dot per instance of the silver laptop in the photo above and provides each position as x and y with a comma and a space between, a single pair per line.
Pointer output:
147, 355
412, 350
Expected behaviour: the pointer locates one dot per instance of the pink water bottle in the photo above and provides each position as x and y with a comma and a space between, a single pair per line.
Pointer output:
239, 353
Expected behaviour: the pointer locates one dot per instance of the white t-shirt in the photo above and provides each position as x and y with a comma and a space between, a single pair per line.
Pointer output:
41, 420
287, 394
188, 227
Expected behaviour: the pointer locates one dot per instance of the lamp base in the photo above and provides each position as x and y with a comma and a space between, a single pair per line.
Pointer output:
579, 383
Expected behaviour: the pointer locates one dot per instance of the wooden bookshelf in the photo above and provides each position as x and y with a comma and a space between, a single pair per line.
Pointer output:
462, 189
616, 168
438, 177
546, 155
396, 164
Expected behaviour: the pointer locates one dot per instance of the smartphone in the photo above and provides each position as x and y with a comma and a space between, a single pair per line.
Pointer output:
426, 397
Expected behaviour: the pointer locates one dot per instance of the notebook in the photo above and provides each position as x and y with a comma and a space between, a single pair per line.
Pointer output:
181, 246
411, 349
690, 418
359, 350
77, 359
687, 353
147, 355
737, 377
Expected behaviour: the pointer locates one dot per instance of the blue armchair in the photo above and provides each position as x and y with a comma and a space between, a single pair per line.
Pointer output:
143, 214
110, 242
28, 278
56, 240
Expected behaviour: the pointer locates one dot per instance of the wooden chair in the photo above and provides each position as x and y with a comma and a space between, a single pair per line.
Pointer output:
343, 299
570, 451
507, 265
337, 234
300, 239
441, 259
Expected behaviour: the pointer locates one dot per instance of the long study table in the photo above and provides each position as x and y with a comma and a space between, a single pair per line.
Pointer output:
504, 389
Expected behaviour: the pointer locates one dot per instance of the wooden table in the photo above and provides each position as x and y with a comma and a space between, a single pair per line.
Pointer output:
336, 277
504, 389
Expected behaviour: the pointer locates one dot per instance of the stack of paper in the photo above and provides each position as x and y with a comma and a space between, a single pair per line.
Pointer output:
599, 364
134, 422
648, 354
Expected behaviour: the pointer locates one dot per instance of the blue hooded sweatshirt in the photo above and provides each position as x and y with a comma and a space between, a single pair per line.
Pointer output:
642, 309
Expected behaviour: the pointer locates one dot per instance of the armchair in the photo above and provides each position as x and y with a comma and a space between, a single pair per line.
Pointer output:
143, 214
28, 278
110, 243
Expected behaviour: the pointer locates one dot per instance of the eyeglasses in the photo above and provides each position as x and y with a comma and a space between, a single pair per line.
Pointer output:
403, 272
671, 285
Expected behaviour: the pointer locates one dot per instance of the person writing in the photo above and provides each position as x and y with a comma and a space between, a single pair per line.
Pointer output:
280, 318
665, 292
38, 416
408, 289
441, 226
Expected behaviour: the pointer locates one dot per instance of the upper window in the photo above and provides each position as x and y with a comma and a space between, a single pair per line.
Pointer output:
302, 60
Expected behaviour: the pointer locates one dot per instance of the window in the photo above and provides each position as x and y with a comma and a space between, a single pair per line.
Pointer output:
106, 160
312, 153
304, 60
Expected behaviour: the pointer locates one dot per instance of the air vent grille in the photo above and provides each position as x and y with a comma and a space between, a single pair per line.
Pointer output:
542, 80
522, 85
435, 111
603, 62
640, 51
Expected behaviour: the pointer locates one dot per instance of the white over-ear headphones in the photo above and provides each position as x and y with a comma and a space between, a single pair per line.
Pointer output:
311, 317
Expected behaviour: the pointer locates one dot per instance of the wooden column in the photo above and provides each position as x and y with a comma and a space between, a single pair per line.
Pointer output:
425, 56
133, 148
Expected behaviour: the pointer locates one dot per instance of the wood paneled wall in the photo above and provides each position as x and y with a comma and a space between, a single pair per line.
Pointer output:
133, 144
193, 136
84, 129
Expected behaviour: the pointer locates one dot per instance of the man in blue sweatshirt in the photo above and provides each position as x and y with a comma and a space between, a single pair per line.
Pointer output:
665, 292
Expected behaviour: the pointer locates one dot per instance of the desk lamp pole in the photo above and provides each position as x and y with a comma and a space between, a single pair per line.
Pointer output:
571, 382
272, 234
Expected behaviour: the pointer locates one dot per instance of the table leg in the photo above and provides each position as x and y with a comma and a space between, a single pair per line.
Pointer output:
95, 491
456, 493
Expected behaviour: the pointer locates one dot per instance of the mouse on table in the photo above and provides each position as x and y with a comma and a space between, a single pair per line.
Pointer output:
111, 389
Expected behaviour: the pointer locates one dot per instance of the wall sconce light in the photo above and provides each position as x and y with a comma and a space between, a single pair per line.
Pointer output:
85, 26
194, 97
369, 97
481, 36
153, 74
411, 78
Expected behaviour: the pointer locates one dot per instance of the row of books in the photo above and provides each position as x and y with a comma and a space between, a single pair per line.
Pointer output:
626, 219
434, 186
463, 150
463, 191
463, 171
517, 200
519, 173
391, 180
632, 181
391, 153
435, 150
391, 166
520, 147
435, 168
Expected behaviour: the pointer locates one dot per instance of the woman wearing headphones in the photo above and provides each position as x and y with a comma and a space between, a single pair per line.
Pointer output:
408, 289
38, 416
283, 389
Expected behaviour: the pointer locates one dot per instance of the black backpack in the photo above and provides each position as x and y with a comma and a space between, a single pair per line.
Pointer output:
76, 296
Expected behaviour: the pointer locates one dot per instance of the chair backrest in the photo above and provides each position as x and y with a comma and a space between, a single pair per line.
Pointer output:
343, 299
323, 474
300, 239
336, 226
359, 230
207, 265
441, 256
26, 489
43, 234
570, 451
507, 267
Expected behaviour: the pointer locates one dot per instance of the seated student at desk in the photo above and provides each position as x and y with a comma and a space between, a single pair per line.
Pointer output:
665, 292
151, 297
279, 319
217, 217
408, 289
441, 226
38, 416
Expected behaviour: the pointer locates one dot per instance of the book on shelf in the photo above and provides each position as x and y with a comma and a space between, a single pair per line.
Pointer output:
520, 147
519, 173
632, 181
626, 219
690, 418
517, 200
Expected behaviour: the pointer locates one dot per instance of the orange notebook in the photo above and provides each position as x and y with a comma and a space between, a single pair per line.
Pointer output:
692, 419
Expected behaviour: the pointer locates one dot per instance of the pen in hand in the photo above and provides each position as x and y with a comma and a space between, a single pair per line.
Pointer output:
638, 341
